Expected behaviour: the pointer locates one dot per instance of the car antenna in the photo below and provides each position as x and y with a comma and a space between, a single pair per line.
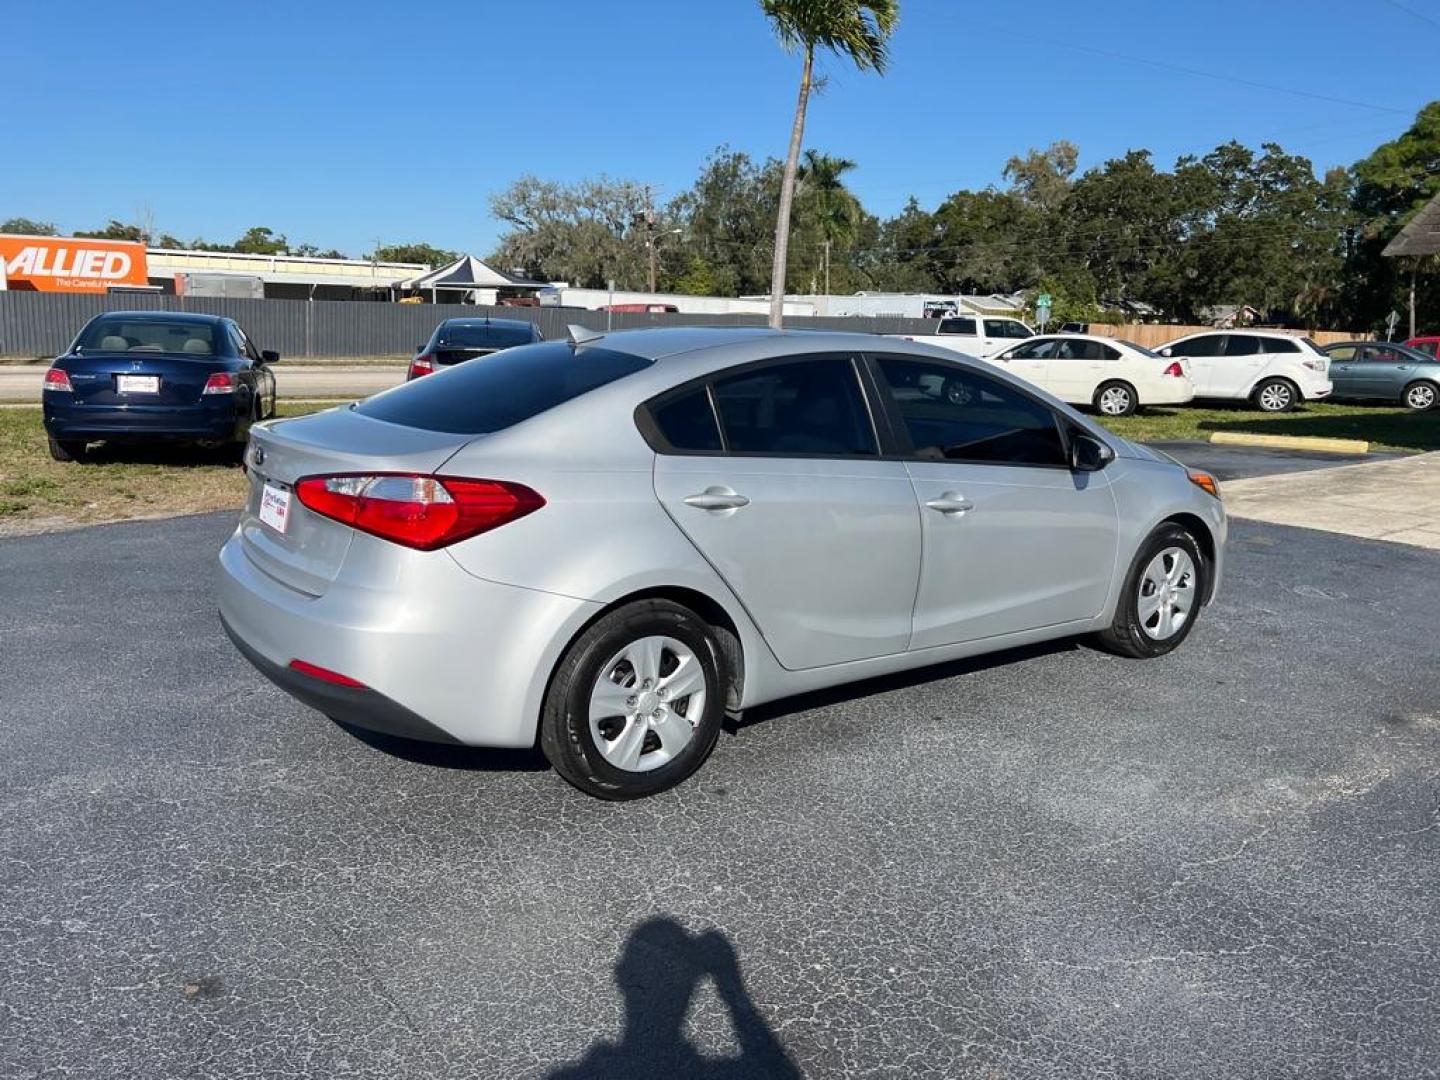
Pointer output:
582, 335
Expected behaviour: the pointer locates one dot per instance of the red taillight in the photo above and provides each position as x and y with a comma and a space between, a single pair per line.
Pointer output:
422, 512
315, 671
1174, 370
56, 379
421, 365
222, 382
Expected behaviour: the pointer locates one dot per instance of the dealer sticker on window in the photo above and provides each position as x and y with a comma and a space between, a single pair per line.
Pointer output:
275, 507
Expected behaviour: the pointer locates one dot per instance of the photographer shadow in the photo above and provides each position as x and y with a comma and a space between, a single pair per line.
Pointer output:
659, 973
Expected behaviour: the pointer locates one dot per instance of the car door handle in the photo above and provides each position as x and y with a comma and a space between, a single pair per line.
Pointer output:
717, 498
951, 503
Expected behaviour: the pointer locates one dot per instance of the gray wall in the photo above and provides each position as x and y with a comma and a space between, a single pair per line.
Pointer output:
43, 324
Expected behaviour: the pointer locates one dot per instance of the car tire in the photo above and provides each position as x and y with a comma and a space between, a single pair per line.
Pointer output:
67, 449
1174, 551
1115, 398
1420, 396
1276, 396
624, 755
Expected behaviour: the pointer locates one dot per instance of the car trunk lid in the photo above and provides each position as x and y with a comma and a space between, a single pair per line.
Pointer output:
138, 377
291, 543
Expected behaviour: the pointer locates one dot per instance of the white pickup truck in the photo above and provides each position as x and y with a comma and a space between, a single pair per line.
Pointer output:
974, 335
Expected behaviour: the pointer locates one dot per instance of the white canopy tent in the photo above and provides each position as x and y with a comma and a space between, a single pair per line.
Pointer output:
471, 276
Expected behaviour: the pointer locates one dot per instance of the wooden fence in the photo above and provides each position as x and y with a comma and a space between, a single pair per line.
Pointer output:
1154, 335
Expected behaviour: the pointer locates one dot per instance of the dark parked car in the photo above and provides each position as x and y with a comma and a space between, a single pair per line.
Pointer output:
157, 376
456, 340
1384, 371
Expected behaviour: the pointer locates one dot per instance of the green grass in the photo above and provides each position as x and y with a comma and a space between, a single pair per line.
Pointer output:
1384, 427
119, 482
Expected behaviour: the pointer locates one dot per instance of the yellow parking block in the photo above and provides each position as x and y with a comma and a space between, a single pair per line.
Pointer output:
1292, 442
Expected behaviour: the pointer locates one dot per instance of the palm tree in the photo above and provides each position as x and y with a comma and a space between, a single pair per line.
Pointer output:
836, 210
859, 29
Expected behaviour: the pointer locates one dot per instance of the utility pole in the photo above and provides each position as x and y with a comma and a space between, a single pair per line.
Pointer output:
1414, 268
827, 266
650, 234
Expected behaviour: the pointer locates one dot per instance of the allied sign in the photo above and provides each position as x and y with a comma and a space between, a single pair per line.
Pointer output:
68, 264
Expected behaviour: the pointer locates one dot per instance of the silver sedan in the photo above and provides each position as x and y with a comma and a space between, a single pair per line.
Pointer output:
607, 544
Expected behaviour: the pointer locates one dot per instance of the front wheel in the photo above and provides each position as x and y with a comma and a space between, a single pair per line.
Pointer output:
67, 449
1116, 399
1275, 396
1161, 596
1420, 396
635, 704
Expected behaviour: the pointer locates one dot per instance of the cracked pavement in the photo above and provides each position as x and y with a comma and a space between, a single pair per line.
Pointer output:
1048, 863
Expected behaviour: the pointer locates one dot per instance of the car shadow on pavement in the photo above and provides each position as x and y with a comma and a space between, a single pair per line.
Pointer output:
180, 455
900, 680
448, 756
658, 973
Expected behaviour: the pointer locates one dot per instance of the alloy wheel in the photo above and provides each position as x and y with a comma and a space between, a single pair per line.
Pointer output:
1167, 593
1275, 397
646, 702
1115, 401
1420, 397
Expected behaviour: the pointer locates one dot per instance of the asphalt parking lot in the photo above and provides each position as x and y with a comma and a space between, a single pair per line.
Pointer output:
1047, 863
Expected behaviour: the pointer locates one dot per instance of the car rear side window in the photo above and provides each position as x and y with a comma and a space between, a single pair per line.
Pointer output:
810, 407
1278, 345
957, 326
1242, 345
954, 414
493, 392
687, 423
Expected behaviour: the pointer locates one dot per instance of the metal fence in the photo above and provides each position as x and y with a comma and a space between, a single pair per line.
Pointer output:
43, 324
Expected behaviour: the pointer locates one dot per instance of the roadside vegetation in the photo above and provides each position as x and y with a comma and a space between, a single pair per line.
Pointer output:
124, 483
120, 483
1384, 428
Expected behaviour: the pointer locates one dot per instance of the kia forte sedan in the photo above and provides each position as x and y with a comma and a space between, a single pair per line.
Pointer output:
157, 376
606, 544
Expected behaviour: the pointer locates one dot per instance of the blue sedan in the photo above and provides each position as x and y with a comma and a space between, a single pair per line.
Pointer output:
157, 376
1384, 371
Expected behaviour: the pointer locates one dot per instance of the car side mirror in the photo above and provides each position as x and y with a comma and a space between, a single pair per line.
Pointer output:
1089, 454
270, 356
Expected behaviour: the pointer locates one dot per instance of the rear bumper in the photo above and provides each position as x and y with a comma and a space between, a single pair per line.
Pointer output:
444, 656
217, 419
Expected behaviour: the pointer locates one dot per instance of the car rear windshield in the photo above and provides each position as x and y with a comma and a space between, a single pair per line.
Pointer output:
1141, 349
493, 392
111, 334
480, 336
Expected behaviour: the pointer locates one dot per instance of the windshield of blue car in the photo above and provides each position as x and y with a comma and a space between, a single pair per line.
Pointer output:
110, 334
482, 336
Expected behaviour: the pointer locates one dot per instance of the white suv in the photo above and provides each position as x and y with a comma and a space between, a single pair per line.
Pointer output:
1273, 369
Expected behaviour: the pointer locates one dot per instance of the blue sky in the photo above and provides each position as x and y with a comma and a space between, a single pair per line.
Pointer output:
345, 123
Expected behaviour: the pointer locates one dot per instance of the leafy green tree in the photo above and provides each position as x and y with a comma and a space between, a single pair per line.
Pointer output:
727, 220
414, 253
1042, 177
260, 240
119, 230
858, 29
22, 226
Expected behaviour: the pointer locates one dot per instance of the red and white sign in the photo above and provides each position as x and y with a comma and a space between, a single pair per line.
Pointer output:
68, 264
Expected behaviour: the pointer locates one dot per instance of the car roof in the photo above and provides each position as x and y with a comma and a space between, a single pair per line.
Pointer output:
480, 320
161, 316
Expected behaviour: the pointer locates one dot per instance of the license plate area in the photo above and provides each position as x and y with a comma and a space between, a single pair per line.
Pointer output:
137, 384
275, 507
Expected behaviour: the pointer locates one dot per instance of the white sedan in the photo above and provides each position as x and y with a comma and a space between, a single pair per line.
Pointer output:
1112, 376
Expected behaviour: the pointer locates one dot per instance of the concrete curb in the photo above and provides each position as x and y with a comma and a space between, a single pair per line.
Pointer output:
1291, 442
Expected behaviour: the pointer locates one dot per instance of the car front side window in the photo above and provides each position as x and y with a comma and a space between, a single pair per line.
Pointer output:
806, 407
952, 413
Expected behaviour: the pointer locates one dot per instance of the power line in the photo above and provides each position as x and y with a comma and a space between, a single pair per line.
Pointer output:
1198, 73
1413, 13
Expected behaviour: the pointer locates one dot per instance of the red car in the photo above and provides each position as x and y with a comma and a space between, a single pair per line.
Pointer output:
1425, 344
